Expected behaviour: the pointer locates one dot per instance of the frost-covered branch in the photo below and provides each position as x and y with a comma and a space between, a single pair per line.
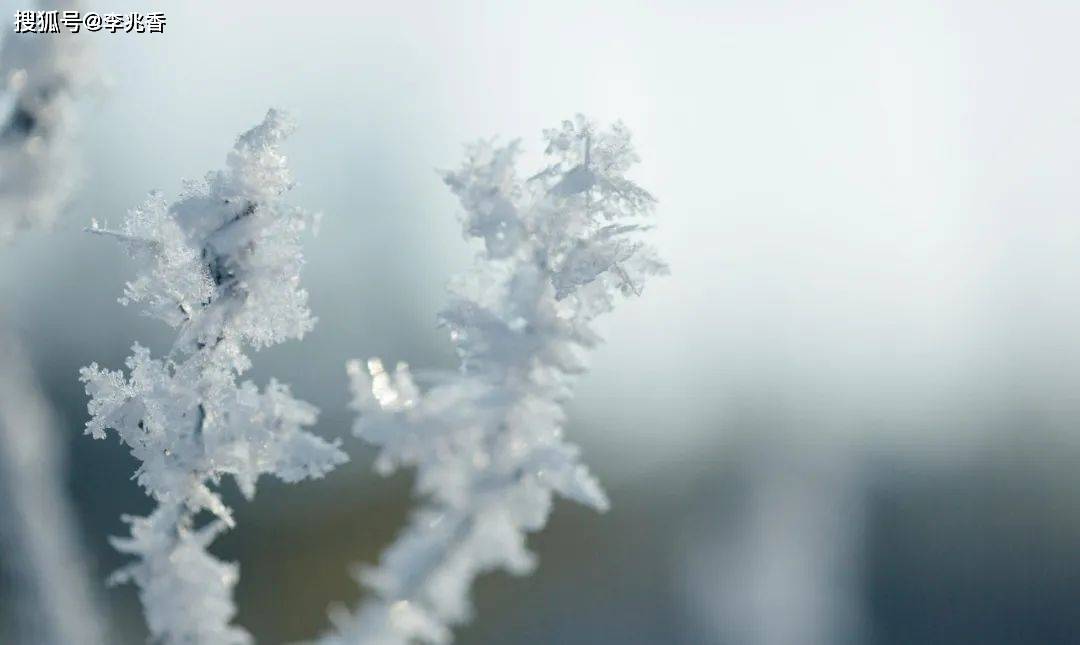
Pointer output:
487, 441
222, 265
42, 74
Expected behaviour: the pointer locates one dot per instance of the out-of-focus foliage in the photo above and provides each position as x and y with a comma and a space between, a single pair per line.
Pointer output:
41, 75
40, 80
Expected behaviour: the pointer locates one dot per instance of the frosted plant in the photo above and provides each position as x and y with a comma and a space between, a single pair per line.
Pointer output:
222, 265
487, 441
42, 74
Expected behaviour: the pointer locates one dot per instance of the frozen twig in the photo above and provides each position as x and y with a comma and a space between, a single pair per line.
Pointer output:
487, 441
222, 265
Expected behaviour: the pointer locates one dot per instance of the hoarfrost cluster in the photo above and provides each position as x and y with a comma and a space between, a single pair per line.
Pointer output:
487, 441
222, 266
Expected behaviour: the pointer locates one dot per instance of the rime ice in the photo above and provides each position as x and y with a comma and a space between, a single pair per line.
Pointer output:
222, 265
487, 441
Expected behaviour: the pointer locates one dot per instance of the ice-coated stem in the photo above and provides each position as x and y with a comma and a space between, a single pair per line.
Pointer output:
487, 441
222, 265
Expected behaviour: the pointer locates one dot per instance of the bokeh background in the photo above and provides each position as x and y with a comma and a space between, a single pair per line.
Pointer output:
849, 416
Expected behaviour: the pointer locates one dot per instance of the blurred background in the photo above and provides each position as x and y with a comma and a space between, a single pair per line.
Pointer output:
848, 416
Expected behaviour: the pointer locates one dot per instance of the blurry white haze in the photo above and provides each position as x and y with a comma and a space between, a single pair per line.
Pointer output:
848, 416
